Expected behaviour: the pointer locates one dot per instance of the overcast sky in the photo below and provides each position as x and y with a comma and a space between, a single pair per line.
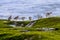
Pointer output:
29, 7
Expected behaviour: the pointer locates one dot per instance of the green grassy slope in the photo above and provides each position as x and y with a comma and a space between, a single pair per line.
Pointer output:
3, 24
7, 33
15, 34
48, 22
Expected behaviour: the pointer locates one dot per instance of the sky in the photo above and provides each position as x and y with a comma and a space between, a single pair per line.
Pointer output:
29, 7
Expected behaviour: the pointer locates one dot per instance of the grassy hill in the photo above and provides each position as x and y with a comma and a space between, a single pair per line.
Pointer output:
10, 33
48, 22
6, 23
3, 24
15, 34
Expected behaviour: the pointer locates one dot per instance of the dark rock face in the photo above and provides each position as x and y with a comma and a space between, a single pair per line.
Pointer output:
47, 29
57, 29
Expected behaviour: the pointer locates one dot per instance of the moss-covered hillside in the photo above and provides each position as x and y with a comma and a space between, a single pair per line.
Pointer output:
48, 22
25, 33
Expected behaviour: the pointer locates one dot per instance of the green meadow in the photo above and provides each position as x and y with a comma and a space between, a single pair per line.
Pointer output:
15, 33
